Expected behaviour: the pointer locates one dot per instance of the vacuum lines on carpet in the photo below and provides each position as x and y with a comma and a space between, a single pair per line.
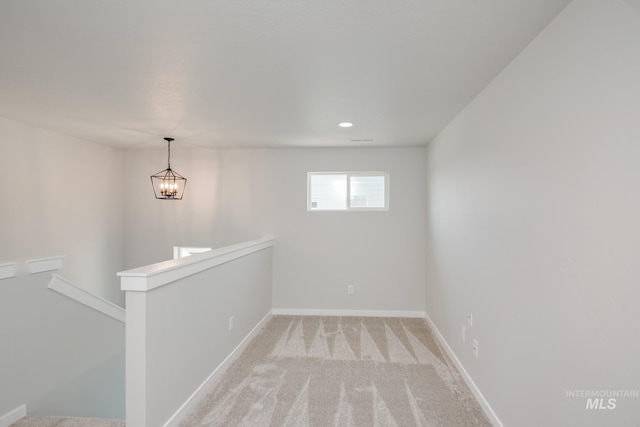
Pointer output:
340, 371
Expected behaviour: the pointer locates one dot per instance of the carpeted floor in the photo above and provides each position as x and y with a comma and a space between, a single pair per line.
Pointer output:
340, 371
66, 422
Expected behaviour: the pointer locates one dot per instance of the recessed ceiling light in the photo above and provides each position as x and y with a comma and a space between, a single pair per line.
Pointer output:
345, 124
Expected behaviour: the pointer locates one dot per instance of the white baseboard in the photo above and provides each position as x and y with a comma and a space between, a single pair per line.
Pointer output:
200, 392
350, 313
11, 417
465, 375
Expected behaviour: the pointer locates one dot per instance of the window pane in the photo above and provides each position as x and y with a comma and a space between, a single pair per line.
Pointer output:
328, 192
181, 252
367, 191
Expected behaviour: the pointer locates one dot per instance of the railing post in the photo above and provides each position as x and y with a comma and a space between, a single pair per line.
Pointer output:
136, 364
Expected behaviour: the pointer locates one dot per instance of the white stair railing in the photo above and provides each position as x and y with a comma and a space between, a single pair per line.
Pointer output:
185, 317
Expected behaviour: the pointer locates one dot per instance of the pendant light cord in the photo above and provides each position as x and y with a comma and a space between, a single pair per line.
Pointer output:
168, 152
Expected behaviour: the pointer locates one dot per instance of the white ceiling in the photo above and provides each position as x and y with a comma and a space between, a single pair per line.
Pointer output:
255, 73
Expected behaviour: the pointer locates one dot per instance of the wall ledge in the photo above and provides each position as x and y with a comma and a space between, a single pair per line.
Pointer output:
45, 264
7, 270
152, 276
70, 290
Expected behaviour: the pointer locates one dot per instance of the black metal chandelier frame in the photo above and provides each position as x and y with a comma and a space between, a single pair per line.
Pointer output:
168, 184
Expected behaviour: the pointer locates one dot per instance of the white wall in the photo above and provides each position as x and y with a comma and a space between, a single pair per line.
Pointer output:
533, 223
153, 227
178, 333
319, 253
239, 195
62, 196
57, 356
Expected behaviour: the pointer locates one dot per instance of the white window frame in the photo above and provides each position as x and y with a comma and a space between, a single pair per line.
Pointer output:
384, 174
185, 251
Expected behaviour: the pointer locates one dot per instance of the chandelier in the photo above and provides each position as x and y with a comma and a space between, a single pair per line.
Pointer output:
168, 184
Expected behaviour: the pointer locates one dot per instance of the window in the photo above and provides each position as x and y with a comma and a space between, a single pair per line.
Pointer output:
181, 252
340, 191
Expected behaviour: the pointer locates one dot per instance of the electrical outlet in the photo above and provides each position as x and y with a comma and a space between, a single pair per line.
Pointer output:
464, 334
349, 289
470, 318
230, 323
475, 347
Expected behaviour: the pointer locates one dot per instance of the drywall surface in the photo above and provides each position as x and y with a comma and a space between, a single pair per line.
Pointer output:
187, 334
235, 195
153, 227
62, 196
533, 225
319, 254
58, 357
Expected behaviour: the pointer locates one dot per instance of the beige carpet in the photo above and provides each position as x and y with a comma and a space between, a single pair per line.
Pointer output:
340, 371
66, 422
